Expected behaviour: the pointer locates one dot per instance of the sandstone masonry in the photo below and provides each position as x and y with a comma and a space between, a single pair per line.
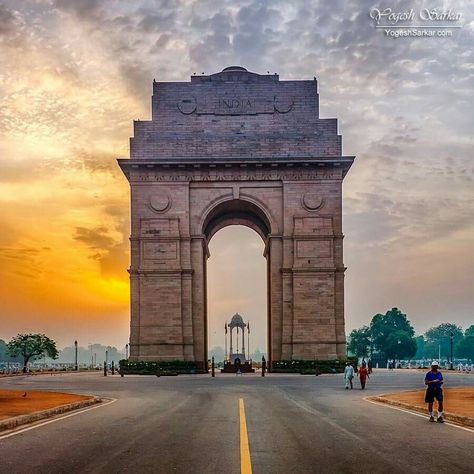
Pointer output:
236, 148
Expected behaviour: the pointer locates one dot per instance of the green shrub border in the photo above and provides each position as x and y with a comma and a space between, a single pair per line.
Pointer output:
163, 367
173, 367
312, 366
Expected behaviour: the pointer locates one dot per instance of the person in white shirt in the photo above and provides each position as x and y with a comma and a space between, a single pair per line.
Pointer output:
348, 375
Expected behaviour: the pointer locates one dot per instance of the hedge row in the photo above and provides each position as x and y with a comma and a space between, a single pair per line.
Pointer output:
311, 366
170, 367
164, 367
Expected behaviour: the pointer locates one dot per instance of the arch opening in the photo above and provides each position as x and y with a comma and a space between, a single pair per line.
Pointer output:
236, 282
236, 212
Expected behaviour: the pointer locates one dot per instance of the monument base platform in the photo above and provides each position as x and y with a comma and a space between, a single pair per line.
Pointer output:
230, 368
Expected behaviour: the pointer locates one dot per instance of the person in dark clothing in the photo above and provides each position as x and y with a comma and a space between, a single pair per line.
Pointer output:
363, 375
433, 382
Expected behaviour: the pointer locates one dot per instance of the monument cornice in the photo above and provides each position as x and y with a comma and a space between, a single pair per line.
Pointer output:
239, 160
236, 170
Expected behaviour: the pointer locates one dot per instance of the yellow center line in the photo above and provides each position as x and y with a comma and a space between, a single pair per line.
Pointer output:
245, 464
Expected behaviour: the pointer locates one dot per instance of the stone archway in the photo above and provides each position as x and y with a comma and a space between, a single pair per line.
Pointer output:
256, 217
236, 147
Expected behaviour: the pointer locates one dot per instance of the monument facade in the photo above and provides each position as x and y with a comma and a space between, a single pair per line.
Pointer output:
236, 147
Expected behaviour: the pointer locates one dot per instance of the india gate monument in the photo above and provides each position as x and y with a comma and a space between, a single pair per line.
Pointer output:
236, 147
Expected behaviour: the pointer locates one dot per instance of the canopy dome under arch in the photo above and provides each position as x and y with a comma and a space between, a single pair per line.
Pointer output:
237, 321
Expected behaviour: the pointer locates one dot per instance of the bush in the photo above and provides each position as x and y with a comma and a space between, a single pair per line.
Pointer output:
165, 367
311, 366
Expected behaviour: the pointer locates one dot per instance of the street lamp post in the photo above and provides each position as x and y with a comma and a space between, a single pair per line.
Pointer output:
126, 351
398, 353
451, 338
75, 355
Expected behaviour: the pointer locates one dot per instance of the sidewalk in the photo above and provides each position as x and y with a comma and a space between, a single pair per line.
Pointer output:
458, 403
18, 407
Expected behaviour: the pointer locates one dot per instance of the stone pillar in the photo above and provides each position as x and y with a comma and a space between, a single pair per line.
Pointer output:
340, 334
287, 297
135, 319
198, 298
275, 261
187, 317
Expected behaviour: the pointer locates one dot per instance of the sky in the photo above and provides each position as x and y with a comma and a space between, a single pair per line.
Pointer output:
75, 74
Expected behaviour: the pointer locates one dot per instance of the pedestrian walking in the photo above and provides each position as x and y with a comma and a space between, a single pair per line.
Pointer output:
434, 391
348, 375
363, 375
369, 366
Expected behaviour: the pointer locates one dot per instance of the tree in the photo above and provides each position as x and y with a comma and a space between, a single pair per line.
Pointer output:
386, 329
420, 348
469, 331
400, 345
94, 353
360, 341
113, 354
257, 355
30, 346
3, 350
465, 348
218, 354
438, 338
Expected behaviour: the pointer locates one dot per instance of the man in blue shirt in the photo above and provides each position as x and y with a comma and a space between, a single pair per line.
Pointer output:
434, 381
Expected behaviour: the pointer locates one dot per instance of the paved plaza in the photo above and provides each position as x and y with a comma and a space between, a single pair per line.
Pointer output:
190, 424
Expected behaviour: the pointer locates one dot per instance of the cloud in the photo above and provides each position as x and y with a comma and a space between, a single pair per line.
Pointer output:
76, 73
96, 238
85, 9
7, 21
111, 252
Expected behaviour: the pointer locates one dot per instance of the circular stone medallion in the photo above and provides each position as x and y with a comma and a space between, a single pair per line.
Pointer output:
283, 104
187, 105
312, 202
160, 203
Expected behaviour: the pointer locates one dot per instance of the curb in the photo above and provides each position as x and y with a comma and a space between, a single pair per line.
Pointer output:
460, 420
12, 423
58, 372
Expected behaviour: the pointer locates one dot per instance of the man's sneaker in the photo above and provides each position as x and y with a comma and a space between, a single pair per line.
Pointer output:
432, 418
440, 419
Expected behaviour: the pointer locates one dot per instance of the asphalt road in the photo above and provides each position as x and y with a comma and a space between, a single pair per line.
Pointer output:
191, 424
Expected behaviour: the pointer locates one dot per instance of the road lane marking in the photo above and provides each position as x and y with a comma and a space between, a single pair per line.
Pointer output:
59, 418
417, 414
245, 464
